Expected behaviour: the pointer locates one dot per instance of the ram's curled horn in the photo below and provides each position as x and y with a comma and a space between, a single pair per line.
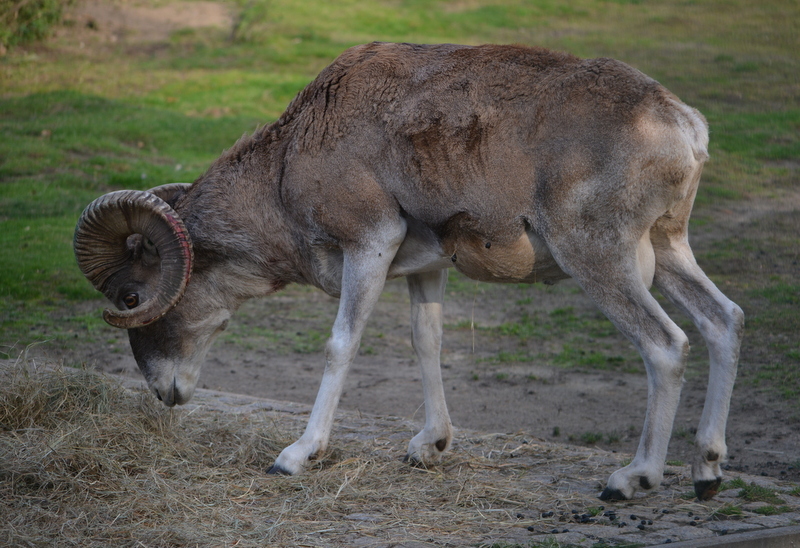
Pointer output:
105, 256
170, 193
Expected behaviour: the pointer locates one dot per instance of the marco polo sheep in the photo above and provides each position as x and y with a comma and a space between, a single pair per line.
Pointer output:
508, 163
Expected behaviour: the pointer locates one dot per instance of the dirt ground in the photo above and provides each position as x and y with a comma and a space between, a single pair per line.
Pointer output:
273, 347
139, 23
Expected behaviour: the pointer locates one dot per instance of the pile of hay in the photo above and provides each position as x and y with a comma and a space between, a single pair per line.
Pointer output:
85, 461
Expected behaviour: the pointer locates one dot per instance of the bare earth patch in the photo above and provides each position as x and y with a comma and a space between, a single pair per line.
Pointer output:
132, 21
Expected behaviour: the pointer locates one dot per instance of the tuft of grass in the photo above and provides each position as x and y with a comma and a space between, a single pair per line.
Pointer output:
758, 493
735, 483
591, 438
549, 542
771, 510
506, 545
612, 437
728, 510
604, 544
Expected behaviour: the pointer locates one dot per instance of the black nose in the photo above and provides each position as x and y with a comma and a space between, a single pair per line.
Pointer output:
171, 397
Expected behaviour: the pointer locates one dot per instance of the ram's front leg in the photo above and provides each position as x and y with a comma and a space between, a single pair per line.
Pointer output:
339, 353
427, 294
363, 278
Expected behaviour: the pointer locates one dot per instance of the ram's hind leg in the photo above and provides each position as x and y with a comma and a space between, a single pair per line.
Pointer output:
616, 278
427, 295
720, 321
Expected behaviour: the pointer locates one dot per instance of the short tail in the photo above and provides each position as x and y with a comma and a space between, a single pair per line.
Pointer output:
695, 129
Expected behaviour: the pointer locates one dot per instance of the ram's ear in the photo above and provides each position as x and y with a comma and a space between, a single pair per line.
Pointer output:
171, 193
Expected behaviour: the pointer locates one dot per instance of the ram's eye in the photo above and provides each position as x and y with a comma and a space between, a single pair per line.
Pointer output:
131, 300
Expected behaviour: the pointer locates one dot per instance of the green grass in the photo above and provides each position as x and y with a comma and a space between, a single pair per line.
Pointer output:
61, 150
735, 483
758, 493
728, 510
590, 438
77, 123
770, 510
25, 22
594, 343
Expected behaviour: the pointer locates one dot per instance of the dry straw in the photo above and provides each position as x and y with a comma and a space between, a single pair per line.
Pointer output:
87, 462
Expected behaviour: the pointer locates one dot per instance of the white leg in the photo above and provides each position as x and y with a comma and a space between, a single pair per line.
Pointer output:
363, 278
721, 322
427, 295
664, 356
614, 278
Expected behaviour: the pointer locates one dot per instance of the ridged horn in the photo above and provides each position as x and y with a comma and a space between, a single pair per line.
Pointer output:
103, 255
171, 192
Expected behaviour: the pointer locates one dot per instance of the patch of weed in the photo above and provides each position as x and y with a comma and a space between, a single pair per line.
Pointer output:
771, 510
758, 493
728, 510
571, 356
508, 545
591, 438
604, 544
735, 483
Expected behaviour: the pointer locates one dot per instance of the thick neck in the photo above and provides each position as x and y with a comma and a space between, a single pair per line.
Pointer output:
237, 222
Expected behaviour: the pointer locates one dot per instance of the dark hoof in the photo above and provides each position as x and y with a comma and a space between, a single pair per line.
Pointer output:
707, 489
276, 470
612, 495
414, 463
